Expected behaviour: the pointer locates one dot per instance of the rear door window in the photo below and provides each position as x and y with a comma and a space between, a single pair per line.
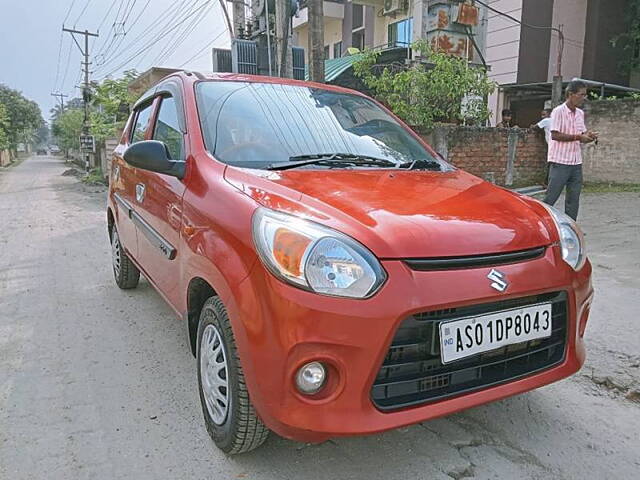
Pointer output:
142, 123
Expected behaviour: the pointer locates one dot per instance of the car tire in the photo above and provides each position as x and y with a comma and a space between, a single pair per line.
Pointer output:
125, 272
229, 416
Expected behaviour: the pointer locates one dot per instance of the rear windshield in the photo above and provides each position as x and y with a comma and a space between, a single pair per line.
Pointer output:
259, 124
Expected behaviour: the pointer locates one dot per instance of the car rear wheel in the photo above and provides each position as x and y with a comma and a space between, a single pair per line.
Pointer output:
125, 272
229, 415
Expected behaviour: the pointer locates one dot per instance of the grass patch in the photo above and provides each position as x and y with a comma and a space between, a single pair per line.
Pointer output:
608, 187
94, 177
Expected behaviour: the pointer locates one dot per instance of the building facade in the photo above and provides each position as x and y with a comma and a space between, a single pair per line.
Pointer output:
522, 60
360, 25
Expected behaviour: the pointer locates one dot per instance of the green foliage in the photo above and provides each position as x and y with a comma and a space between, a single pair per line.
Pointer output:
94, 177
22, 117
4, 126
111, 100
108, 112
445, 89
67, 128
630, 40
113, 96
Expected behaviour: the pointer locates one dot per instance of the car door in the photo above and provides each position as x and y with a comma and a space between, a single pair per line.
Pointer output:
124, 179
158, 202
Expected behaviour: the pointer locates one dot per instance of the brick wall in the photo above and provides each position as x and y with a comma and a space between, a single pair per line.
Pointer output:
616, 158
511, 157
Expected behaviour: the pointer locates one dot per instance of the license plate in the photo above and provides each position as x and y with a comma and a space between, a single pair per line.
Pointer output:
469, 336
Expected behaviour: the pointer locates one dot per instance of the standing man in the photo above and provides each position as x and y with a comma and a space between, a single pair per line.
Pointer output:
568, 131
544, 124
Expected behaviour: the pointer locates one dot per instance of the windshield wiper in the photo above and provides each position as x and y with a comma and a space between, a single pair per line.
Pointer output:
319, 158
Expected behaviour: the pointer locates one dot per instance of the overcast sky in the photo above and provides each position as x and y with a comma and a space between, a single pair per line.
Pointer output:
37, 59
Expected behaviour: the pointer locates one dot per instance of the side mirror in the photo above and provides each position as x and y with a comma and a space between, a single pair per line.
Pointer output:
153, 155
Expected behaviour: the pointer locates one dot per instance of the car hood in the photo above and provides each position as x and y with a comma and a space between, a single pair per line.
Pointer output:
404, 214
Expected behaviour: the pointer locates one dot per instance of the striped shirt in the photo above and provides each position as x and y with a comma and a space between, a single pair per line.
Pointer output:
564, 120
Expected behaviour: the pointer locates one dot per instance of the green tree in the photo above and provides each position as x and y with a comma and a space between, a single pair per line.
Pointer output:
108, 112
111, 101
4, 126
630, 40
113, 96
23, 117
445, 88
67, 128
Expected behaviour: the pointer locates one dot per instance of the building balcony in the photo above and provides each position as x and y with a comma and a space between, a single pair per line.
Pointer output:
332, 9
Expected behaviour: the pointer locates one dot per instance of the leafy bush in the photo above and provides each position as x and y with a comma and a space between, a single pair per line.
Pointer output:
444, 88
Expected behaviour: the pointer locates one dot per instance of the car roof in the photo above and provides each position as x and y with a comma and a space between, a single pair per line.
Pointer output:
193, 76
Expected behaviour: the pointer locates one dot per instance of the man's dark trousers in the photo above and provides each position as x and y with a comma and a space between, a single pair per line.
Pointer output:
559, 176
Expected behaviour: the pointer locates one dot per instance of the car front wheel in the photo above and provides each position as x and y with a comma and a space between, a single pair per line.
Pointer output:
229, 415
125, 272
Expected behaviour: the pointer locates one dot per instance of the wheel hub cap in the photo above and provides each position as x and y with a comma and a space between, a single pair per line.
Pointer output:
115, 253
213, 375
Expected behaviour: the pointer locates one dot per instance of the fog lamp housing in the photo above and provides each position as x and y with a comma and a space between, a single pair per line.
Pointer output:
311, 377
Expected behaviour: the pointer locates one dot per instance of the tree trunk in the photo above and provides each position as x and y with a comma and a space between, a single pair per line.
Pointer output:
316, 41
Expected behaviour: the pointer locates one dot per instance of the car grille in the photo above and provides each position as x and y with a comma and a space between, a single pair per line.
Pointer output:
474, 261
413, 374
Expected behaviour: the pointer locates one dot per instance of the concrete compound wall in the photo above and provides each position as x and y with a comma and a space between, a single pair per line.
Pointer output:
5, 158
616, 158
505, 156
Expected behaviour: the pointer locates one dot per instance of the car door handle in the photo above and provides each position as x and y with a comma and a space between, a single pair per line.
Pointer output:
140, 188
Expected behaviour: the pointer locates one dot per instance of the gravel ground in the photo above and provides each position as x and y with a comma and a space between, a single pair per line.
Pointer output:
99, 383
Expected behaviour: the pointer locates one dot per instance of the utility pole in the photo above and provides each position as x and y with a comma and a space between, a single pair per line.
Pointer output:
283, 52
556, 85
61, 98
239, 21
85, 89
316, 41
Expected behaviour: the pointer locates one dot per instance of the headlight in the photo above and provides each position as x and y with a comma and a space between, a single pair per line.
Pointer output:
315, 257
571, 238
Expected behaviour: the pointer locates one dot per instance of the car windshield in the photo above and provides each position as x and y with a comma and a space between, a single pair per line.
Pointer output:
259, 125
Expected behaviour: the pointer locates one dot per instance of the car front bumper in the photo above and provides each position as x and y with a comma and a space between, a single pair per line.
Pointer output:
279, 328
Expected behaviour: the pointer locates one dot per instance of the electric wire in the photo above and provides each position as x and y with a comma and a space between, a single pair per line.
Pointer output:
55, 83
133, 5
68, 12
185, 34
66, 70
176, 34
150, 44
106, 15
86, 5
209, 44
110, 38
118, 37
145, 33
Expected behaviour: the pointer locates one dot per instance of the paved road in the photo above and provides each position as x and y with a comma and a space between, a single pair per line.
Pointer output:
98, 383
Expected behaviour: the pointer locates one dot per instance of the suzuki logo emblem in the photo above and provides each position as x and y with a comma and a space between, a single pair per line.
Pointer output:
498, 280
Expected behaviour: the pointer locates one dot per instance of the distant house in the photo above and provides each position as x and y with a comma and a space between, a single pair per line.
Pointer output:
148, 79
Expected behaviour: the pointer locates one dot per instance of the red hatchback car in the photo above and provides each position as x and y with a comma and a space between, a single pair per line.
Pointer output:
335, 275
